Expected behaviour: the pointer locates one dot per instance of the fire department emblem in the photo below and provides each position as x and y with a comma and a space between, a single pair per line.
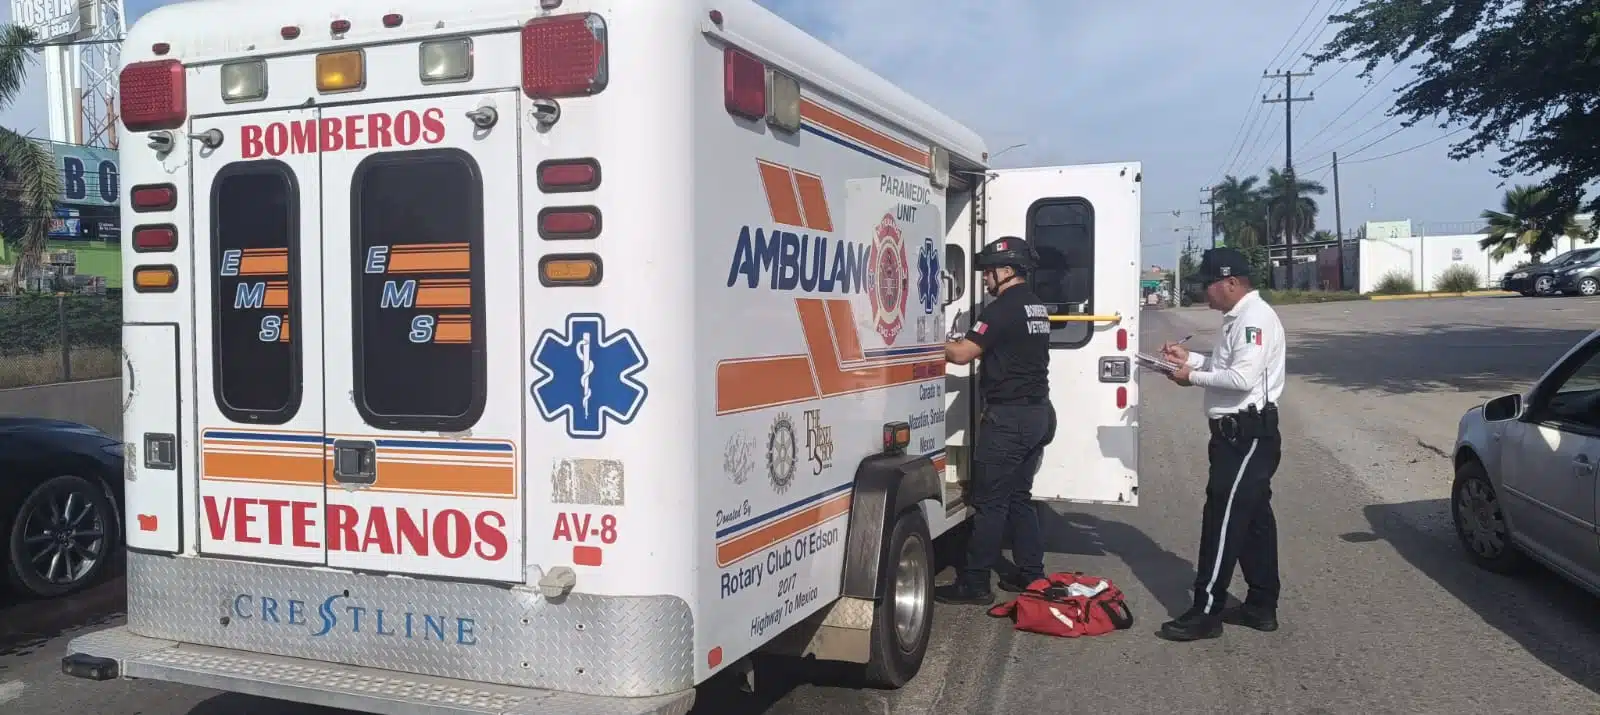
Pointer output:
887, 279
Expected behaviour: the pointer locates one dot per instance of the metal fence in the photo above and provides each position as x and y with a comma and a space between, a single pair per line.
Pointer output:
57, 338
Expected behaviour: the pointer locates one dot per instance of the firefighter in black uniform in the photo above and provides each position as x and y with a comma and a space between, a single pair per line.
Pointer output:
1013, 335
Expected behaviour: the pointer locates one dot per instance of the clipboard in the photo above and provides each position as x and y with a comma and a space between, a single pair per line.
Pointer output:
1155, 363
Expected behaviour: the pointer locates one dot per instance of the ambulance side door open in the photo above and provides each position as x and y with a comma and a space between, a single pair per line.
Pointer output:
1084, 222
425, 385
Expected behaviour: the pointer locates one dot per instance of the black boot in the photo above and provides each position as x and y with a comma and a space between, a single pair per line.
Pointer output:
1194, 625
1251, 616
1017, 584
960, 594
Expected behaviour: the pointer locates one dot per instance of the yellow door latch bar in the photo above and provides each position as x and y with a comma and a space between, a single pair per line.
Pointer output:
1112, 319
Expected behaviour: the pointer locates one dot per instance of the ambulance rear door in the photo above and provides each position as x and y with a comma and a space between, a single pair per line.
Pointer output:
422, 242
258, 336
1084, 222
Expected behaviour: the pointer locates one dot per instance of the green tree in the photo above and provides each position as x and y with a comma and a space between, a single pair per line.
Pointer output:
1238, 213
1291, 210
1519, 76
32, 184
1530, 218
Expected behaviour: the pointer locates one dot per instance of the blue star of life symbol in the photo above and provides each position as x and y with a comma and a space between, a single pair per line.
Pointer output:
928, 277
588, 376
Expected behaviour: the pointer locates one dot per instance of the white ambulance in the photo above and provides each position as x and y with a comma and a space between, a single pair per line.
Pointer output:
512, 356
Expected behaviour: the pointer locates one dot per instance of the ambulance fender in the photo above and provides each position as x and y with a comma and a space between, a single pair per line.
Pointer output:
885, 486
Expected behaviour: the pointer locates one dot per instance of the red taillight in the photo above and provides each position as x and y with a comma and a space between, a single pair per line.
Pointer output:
1122, 339
1122, 398
289, 32
339, 27
569, 223
153, 197
744, 84
568, 175
153, 239
564, 56
392, 20
153, 96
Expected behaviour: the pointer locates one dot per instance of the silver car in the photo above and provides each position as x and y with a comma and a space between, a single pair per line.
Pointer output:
1525, 473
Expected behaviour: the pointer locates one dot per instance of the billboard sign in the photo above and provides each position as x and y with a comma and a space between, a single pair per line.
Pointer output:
89, 174
49, 19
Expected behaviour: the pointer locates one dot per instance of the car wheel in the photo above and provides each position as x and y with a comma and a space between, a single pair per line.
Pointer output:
61, 537
1544, 285
1480, 523
902, 622
1589, 286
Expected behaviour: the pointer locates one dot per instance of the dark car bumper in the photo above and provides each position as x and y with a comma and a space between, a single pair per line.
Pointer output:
1520, 285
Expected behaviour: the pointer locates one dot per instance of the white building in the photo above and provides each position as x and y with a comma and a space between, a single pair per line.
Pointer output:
1393, 246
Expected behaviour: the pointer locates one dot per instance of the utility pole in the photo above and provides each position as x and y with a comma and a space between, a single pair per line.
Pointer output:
1338, 219
1211, 201
1287, 100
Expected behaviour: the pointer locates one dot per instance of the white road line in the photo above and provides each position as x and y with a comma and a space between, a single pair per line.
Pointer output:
11, 691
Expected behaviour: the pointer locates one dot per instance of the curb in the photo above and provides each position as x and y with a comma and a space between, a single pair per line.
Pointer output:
1468, 294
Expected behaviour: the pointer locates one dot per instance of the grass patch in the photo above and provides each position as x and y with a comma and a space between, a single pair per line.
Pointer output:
1295, 297
1395, 282
45, 368
1459, 278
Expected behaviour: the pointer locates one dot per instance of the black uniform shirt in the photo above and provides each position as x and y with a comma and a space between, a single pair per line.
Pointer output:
1014, 332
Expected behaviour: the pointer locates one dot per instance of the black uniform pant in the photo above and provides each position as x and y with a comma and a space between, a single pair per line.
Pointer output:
1011, 441
1238, 526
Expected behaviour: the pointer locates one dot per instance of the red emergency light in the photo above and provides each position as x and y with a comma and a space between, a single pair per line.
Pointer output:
152, 95
564, 56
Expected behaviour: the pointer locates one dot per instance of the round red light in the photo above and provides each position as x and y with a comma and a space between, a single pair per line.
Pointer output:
392, 20
161, 48
716, 18
289, 32
340, 26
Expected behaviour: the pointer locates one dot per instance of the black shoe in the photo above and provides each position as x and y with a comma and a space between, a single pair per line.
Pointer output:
1017, 584
960, 595
1251, 616
1192, 626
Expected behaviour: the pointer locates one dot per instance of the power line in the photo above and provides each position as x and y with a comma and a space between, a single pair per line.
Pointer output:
1252, 111
1352, 105
1434, 140
1316, 33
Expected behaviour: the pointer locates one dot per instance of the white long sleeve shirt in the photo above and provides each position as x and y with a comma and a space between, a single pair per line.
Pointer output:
1247, 366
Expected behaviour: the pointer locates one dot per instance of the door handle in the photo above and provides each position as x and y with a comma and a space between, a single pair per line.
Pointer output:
1582, 467
355, 462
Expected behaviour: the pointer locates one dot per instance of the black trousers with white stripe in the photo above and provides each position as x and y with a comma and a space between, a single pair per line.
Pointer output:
1238, 526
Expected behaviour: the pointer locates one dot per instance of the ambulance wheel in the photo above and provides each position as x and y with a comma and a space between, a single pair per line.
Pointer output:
61, 537
903, 619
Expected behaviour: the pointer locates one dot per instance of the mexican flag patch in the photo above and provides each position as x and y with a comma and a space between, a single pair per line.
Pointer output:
980, 328
1252, 335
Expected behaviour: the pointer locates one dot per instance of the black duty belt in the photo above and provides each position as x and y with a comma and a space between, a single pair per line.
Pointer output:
1249, 422
1031, 401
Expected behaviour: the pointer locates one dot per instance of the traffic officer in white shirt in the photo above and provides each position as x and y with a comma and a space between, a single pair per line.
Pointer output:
1243, 380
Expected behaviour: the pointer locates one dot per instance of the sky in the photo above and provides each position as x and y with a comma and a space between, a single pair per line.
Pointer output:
1174, 84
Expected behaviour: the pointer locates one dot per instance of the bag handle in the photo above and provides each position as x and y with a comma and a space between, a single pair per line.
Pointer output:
1121, 616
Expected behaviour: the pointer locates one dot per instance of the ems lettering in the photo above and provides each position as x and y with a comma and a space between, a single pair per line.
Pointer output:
349, 133
584, 528
905, 213
395, 531
790, 261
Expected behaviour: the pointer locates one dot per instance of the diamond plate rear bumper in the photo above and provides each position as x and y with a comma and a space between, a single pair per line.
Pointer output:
343, 686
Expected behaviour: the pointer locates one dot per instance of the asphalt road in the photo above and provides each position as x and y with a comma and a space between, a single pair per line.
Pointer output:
1381, 612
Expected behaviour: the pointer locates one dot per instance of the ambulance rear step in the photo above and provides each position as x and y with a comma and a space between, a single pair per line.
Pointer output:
115, 652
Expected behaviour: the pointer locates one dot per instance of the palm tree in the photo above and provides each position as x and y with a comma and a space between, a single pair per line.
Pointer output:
1291, 212
32, 184
1238, 213
1529, 218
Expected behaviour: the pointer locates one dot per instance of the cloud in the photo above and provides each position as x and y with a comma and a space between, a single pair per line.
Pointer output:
1165, 82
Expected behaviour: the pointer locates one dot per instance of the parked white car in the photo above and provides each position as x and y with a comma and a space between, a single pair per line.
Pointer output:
1525, 481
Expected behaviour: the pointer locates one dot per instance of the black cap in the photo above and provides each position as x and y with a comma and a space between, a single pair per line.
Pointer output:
1008, 251
1219, 263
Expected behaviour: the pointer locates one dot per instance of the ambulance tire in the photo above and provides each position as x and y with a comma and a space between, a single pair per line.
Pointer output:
902, 622
27, 581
